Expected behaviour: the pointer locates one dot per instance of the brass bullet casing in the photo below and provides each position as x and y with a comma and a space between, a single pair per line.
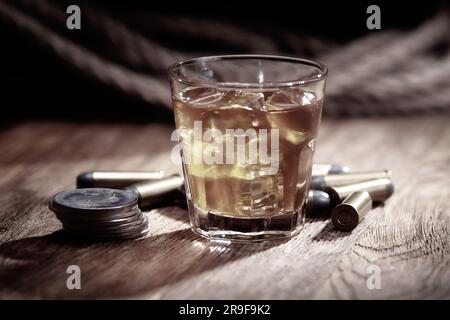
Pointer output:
115, 179
336, 180
160, 191
318, 204
379, 190
321, 169
348, 214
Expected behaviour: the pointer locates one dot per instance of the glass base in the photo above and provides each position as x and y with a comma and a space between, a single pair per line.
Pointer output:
217, 227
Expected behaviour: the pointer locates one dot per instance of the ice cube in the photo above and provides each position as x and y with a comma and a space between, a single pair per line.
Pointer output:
307, 98
237, 111
193, 104
247, 99
290, 98
281, 100
262, 194
214, 147
295, 112
192, 149
202, 97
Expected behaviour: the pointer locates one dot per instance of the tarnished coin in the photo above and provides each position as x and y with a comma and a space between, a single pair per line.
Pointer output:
134, 219
132, 233
113, 232
96, 202
97, 217
105, 227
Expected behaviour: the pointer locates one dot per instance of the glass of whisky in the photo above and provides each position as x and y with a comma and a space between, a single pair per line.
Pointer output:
247, 126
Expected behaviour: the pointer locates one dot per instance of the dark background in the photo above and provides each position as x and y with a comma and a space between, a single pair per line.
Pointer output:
36, 84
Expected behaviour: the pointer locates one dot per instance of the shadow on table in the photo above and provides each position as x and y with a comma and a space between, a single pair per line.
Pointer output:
177, 211
329, 233
36, 267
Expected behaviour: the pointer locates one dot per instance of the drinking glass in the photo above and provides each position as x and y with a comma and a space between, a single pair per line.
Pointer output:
247, 126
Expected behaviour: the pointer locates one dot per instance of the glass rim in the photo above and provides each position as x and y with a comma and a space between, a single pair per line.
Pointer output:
172, 70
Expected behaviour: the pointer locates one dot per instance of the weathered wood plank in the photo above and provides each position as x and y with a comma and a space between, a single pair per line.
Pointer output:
408, 238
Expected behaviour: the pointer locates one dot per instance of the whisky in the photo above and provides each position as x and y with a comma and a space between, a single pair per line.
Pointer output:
247, 155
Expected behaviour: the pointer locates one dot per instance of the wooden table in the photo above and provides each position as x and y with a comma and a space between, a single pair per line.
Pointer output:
406, 241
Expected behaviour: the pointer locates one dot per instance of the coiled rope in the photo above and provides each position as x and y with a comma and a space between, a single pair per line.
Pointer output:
385, 73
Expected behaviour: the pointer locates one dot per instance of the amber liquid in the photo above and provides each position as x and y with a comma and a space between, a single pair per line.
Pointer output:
241, 191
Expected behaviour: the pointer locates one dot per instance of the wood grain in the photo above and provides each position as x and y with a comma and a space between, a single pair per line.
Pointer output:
407, 239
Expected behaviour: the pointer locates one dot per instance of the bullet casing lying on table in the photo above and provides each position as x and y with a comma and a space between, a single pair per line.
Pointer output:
336, 180
115, 179
123, 179
158, 191
318, 204
348, 214
321, 169
379, 190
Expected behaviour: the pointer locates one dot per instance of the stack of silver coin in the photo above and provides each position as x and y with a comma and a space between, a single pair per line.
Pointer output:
100, 213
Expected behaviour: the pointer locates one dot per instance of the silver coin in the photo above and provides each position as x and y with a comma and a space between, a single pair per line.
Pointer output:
103, 223
98, 217
131, 236
94, 202
106, 232
100, 227
134, 233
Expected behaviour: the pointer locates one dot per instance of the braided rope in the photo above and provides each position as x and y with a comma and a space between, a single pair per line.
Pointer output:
387, 56
129, 47
222, 33
148, 88
389, 72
